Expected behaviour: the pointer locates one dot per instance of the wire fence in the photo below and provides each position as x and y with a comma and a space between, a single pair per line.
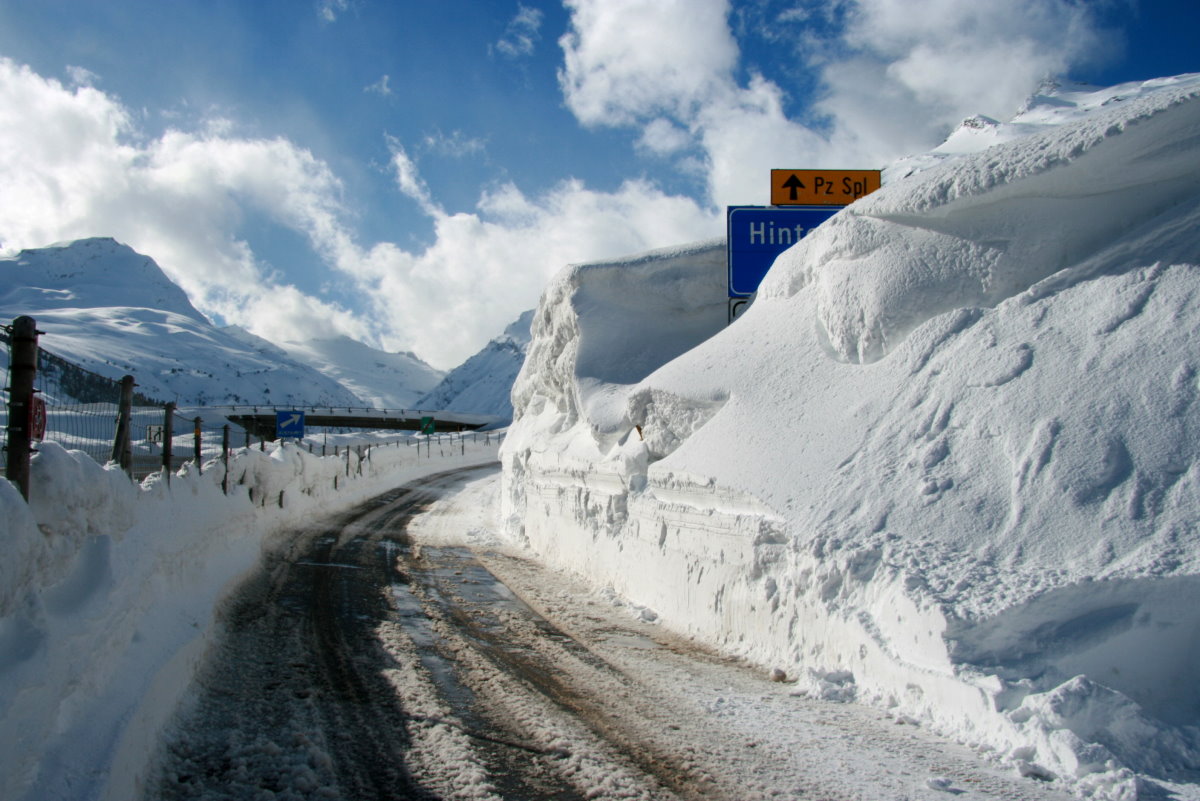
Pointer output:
79, 408
82, 410
5, 343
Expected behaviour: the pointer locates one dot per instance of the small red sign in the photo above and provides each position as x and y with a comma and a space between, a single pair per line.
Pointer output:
37, 418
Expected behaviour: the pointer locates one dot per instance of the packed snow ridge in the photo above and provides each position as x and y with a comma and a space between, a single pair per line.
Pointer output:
948, 462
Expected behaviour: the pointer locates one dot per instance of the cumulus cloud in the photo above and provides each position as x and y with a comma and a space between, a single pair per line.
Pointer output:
935, 62
895, 76
75, 166
626, 60
484, 266
522, 33
662, 137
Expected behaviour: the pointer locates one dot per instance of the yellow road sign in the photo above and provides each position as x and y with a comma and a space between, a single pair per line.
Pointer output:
821, 187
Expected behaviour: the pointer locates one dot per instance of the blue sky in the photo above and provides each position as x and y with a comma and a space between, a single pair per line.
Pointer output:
411, 173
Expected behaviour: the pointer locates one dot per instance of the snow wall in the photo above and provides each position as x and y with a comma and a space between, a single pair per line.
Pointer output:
948, 463
108, 594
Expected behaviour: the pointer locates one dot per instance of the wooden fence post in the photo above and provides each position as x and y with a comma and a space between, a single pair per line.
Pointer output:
168, 434
196, 444
122, 450
225, 458
21, 372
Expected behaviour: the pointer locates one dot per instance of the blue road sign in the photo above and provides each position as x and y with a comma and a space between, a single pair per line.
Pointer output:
289, 425
757, 234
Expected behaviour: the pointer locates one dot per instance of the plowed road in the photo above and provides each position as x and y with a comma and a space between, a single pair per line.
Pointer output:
365, 661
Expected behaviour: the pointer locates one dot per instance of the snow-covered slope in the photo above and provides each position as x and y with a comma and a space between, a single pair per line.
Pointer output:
113, 311
483, 383
949, 462
384, 380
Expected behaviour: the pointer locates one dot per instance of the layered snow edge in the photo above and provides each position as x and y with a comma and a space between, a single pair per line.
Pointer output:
947, 463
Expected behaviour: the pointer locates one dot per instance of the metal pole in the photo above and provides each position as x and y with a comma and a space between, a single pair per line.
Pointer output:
225, 458
122, 451
168, 433
22, 370
196, 444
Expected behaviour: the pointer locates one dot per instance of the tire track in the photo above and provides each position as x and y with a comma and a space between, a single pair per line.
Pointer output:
296, 700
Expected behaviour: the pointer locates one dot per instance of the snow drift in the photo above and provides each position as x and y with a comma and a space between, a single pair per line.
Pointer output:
109, 590
949, 461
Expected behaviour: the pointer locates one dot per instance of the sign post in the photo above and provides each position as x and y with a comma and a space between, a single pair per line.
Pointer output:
822, 187
289, 424
800, 201
757, 234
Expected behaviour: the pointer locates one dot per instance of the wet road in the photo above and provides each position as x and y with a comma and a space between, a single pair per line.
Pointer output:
360, 662
354, 665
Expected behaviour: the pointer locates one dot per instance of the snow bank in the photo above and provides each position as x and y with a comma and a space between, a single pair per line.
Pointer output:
947, 464
108, 591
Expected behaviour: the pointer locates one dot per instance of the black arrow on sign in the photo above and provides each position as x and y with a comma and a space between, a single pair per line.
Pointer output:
793, 183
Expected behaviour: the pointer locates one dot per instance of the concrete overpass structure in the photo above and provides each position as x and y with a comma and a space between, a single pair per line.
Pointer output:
260, 420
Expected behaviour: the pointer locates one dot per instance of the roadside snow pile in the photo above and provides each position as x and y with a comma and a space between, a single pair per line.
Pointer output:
948, 463
108, 589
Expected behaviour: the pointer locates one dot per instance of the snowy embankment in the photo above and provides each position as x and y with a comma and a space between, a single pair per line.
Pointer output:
948, 463
108, 591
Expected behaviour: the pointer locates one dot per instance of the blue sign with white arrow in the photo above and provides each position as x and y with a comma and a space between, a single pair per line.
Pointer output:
757, 234
289, 425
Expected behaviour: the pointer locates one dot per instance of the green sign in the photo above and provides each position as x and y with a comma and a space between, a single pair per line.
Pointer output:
427, 425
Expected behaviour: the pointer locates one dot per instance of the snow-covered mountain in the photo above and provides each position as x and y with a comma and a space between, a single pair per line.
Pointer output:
947, 464
113, 311
384, 380
483, 383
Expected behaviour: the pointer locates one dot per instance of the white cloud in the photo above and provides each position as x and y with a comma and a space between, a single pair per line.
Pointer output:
73, 169
455, 144
522, 33
484, 267
662, 137
625, 60
328, 10
948, 59
75, 166
380, 87
896, 76
81, 76
408, 179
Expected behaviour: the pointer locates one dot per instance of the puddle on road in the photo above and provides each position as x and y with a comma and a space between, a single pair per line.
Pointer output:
419, 628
